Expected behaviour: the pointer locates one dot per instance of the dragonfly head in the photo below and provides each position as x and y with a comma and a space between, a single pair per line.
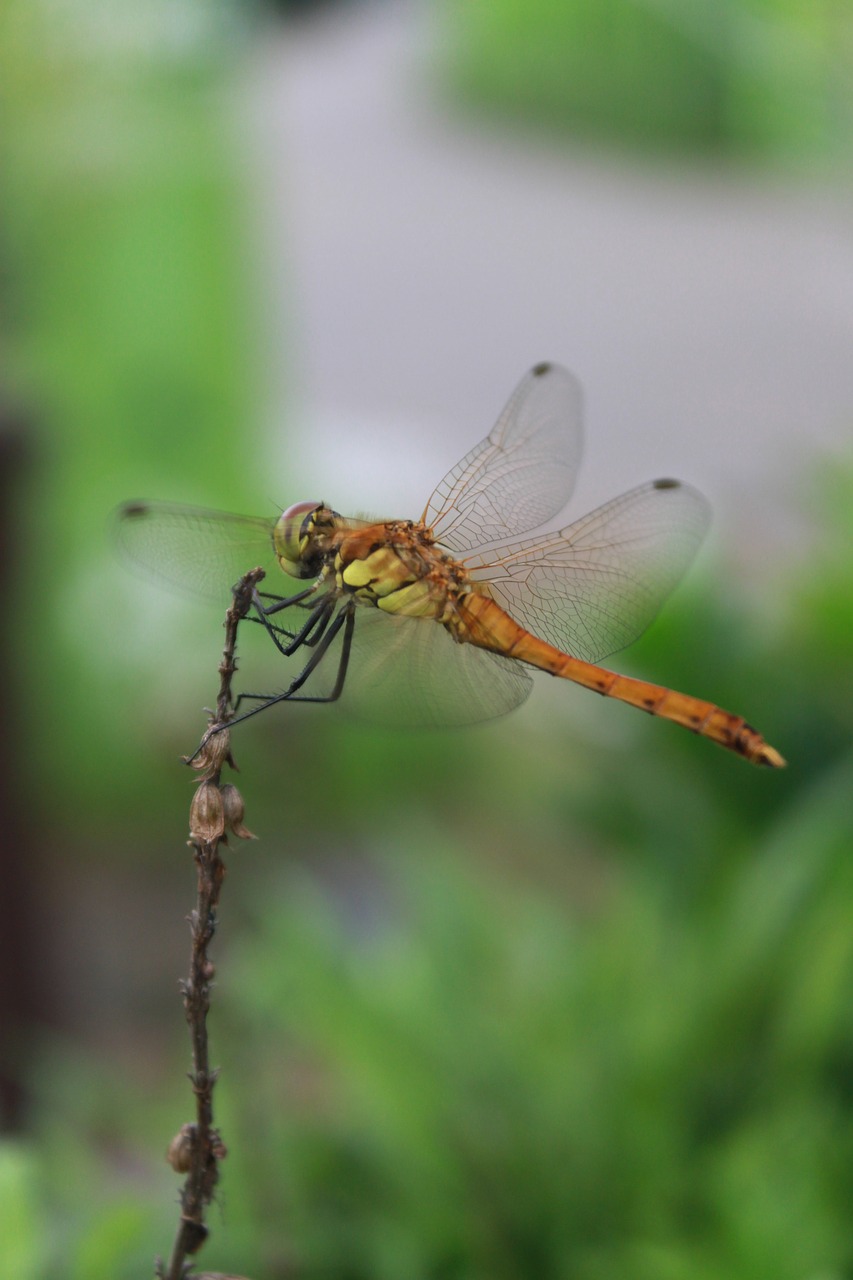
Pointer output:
297, 538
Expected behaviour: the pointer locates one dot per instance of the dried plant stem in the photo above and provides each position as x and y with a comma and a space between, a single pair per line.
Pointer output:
197, 1148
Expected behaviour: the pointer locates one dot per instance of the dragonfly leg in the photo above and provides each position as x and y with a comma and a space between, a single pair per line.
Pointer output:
309, 634
346, 620
280, 602
271, 629
263, 610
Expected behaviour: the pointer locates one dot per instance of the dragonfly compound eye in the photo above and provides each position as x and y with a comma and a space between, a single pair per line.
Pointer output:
292, 539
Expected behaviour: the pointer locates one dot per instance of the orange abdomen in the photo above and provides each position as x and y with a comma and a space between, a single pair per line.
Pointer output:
485, 624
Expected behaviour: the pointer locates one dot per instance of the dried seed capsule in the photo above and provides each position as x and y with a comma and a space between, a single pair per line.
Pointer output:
179, 1153
207, 814
234, 808
213, 753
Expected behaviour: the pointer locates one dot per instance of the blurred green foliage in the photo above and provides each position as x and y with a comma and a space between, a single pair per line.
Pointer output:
754, 77
497, 1080
579, 1012
21, 1240
125, 320
537, 1005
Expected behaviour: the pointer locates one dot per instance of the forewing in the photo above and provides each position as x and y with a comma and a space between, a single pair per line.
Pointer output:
409, 673
522, 474
200, 552
594, 587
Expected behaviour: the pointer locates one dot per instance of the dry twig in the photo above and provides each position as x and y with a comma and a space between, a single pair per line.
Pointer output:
216, 809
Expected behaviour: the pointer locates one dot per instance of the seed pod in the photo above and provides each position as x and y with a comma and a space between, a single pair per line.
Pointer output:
213, 753
179, 1153
207, 814
234, 808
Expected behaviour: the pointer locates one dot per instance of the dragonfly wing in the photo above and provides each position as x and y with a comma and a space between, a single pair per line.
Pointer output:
409, 673
593, 588
522, 474
198, 551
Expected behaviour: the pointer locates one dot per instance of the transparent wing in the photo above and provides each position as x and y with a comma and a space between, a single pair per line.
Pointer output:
522, 474
593, 588
198, 551
409, 673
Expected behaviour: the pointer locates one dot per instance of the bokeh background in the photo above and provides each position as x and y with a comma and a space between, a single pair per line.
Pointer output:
568, 995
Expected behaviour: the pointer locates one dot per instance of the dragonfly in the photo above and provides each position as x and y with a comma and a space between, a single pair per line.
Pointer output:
441, 621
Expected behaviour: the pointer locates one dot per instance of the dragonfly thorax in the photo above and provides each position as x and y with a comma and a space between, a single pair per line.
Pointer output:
396, 567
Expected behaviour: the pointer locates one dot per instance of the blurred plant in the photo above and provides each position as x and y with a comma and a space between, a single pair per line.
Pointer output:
479, 1053
721, 75
492, 1077
558, 1006
215, 813
22, 1244
125, 324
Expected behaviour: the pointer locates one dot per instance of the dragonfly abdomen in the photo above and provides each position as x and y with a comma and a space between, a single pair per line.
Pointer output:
489, 626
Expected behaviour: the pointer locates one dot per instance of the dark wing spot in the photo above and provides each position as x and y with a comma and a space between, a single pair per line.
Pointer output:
539, 370
666, 484
131, 510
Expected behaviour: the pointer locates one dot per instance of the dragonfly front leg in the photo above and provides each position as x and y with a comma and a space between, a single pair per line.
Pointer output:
312, 630
280, 602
